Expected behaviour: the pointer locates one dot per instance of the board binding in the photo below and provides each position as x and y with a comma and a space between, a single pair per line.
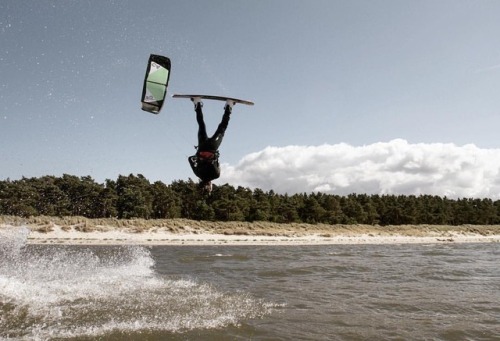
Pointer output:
216, 98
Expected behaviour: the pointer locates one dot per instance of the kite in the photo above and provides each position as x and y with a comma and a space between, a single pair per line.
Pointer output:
155, 86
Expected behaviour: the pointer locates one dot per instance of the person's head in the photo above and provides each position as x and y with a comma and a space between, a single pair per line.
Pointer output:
206, 186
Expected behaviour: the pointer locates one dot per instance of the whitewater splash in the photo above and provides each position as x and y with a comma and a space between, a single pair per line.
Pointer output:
62, 292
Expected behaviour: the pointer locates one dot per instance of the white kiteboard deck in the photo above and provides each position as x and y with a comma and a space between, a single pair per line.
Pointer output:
216, 98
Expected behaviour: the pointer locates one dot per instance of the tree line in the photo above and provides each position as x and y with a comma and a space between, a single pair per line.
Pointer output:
134, 196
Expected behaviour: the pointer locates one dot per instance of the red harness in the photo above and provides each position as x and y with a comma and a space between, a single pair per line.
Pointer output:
206, 155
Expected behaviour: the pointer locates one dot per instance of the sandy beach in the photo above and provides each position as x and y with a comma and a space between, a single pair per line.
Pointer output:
82, 231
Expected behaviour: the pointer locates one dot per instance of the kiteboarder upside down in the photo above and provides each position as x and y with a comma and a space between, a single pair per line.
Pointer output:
205, 163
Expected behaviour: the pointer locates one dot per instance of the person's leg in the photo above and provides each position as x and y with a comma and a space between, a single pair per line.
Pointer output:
221, 129
202, 129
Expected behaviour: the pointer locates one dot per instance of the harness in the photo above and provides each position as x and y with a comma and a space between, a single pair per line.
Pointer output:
207, 155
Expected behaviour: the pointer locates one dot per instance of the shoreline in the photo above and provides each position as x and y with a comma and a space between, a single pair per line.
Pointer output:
124, 238
82, 231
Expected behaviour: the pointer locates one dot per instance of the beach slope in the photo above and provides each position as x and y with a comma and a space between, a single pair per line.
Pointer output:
83, 231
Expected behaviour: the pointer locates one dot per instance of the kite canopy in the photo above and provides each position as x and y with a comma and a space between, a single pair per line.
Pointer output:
156, 80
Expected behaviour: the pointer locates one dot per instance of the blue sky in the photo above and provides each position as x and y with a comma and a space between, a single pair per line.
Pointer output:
418, 80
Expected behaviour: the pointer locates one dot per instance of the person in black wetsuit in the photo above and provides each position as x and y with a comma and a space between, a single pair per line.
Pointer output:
205, 163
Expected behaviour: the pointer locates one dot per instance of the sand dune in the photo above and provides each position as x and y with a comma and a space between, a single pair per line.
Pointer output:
79, 230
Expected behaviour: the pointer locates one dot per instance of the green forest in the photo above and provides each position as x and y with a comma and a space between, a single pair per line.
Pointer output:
134, 196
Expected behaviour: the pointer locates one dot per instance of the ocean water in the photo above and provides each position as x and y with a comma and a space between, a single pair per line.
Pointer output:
336, 292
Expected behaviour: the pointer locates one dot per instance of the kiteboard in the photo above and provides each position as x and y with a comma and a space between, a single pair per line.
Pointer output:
216, 98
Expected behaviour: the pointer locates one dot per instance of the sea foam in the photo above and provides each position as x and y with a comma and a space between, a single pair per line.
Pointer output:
73, 291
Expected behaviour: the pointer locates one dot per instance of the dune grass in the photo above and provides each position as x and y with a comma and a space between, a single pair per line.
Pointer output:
47, 224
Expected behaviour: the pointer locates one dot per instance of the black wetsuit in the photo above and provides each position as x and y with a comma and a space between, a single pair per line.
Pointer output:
205, 163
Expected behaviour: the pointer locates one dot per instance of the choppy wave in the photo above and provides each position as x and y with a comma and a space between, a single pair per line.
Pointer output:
63, 292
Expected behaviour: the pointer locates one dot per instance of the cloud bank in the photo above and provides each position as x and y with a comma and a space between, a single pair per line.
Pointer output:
394, 167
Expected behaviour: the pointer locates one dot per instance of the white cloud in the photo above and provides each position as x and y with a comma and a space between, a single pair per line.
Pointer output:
394, 167
489, 68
